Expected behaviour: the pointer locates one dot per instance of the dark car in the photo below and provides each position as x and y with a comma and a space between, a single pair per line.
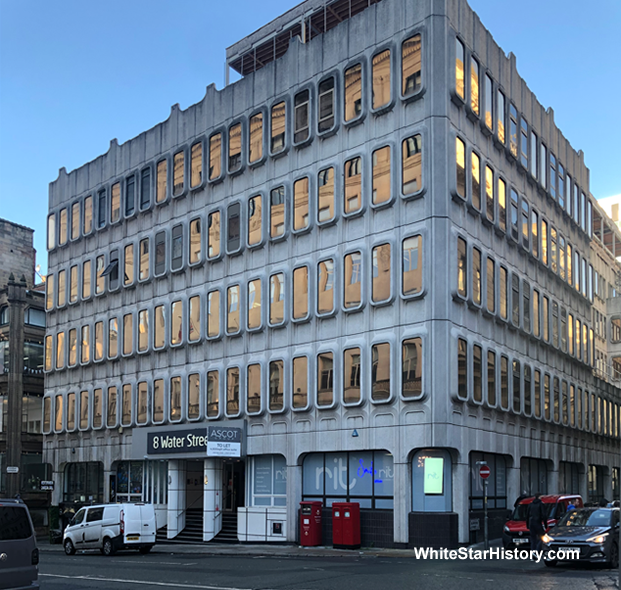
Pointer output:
19, 556
593, 531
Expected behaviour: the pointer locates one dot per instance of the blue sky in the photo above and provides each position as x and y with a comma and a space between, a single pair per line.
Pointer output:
74, 74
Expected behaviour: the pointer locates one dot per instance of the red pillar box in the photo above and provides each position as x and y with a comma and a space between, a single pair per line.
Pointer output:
346, 525
310, 524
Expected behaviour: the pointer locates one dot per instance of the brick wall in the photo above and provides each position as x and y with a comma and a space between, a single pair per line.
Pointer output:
17, 254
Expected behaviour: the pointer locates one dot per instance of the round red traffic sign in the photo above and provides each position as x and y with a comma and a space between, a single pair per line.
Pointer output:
484, 471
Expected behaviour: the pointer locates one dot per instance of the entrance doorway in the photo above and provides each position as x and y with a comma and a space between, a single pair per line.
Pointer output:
194, 472
233, 496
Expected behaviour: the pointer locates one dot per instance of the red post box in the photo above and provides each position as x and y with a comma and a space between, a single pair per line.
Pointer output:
346, 525
310, 524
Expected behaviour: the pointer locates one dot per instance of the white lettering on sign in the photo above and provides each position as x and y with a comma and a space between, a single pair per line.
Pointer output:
223, 449
190, 441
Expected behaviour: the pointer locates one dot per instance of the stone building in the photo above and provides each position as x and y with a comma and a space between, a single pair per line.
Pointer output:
354, 274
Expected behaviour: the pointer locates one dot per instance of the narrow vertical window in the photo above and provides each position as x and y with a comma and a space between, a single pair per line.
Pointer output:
528, 394
255, 146
412, 165
113, 338
553, 176
411, 66
325, 379
73, 284
476, 276
353, 185
526, 306
49, 291
176, 322
300, 204
489, 194
524, 143
381, 175
462, 267
175, 399
215, 156
160, 253
504, 293
159, 329
101, 209
570, 276
500, 112
474, 86
515, 300
62, 227
544, 242
144, 259
111, 417
213, 235
536, 317
143, 330
158, 401
128, 264
504, 382
75, 220
563, 329
517, 402
380, 372
253, 389
534, 230
130, 195
145, 189
412, 270
515, 234
235, 147
277, 134
460, 59
553, 251
545, 309
88, 215
176, 249
325, 105
561, 256
351, 375
489, 103
491, 378
353, 280
232, 317
570, 334
194, 392
128, 333
85, 349
477, 373
51, 231
277, 298
126, 409
115, 202
232, 391
162, 178
277, 212
84, 409
525, 225
97, 408
255, 220
254, 304
353, 92
460, 163
537, 400
543, 161
213, 314
99, 341
300, 382
194, 318
213, 394
462, 369
533, 154
491, 285
277, 386
411, 367
195, 241
300, 292
301, 116
48, 353
571, 407
71, 411
325, 286
556, 401
325, 196
475, 178
380, 290
72, 346
62, 288
381, 79
142, 403
196, 164
47, 412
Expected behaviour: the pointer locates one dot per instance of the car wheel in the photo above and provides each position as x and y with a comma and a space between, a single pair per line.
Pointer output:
145, 549
550, 562
107, 548
614, 556
69, 548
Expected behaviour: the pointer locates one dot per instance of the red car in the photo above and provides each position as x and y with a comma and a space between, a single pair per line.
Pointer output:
515, 532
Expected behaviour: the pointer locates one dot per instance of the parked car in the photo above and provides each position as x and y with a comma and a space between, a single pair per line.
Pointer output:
515, 532
19, 556
110, 527
594, 531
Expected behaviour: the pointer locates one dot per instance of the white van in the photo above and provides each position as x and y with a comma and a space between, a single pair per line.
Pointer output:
109, 527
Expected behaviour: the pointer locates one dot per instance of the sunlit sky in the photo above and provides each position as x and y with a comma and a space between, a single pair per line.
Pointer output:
74, 74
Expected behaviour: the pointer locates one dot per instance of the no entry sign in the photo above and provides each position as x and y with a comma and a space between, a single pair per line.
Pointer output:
484, 471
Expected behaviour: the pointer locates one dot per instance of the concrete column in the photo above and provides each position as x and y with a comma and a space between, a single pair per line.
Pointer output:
461, 486
607, 482
212, 500
553, 479
402, 501
513, 483
176, 498
294, 496
106, 482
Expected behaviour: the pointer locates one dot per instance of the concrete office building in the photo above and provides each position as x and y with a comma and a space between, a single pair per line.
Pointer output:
353, 274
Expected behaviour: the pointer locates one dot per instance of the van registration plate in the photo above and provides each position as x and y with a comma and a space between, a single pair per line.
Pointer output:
521, 541
133, 537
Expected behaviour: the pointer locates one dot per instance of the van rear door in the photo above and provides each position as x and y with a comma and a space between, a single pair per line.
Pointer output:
147, 514
133, 523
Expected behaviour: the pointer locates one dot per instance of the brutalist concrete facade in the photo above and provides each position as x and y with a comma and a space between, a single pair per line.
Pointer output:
416, 432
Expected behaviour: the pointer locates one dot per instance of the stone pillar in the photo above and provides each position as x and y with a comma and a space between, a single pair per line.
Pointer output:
607, 477
513, 483
212, 499
176, 498
402, 502
553, 479
461, 487
294, 496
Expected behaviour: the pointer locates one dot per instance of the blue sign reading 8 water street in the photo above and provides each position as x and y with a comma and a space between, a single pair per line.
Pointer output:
190, 441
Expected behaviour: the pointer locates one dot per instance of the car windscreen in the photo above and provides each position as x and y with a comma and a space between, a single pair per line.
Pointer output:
586, 518
521, 511
14, 523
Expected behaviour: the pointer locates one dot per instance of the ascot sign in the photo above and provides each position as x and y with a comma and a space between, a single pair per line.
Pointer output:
215, 442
